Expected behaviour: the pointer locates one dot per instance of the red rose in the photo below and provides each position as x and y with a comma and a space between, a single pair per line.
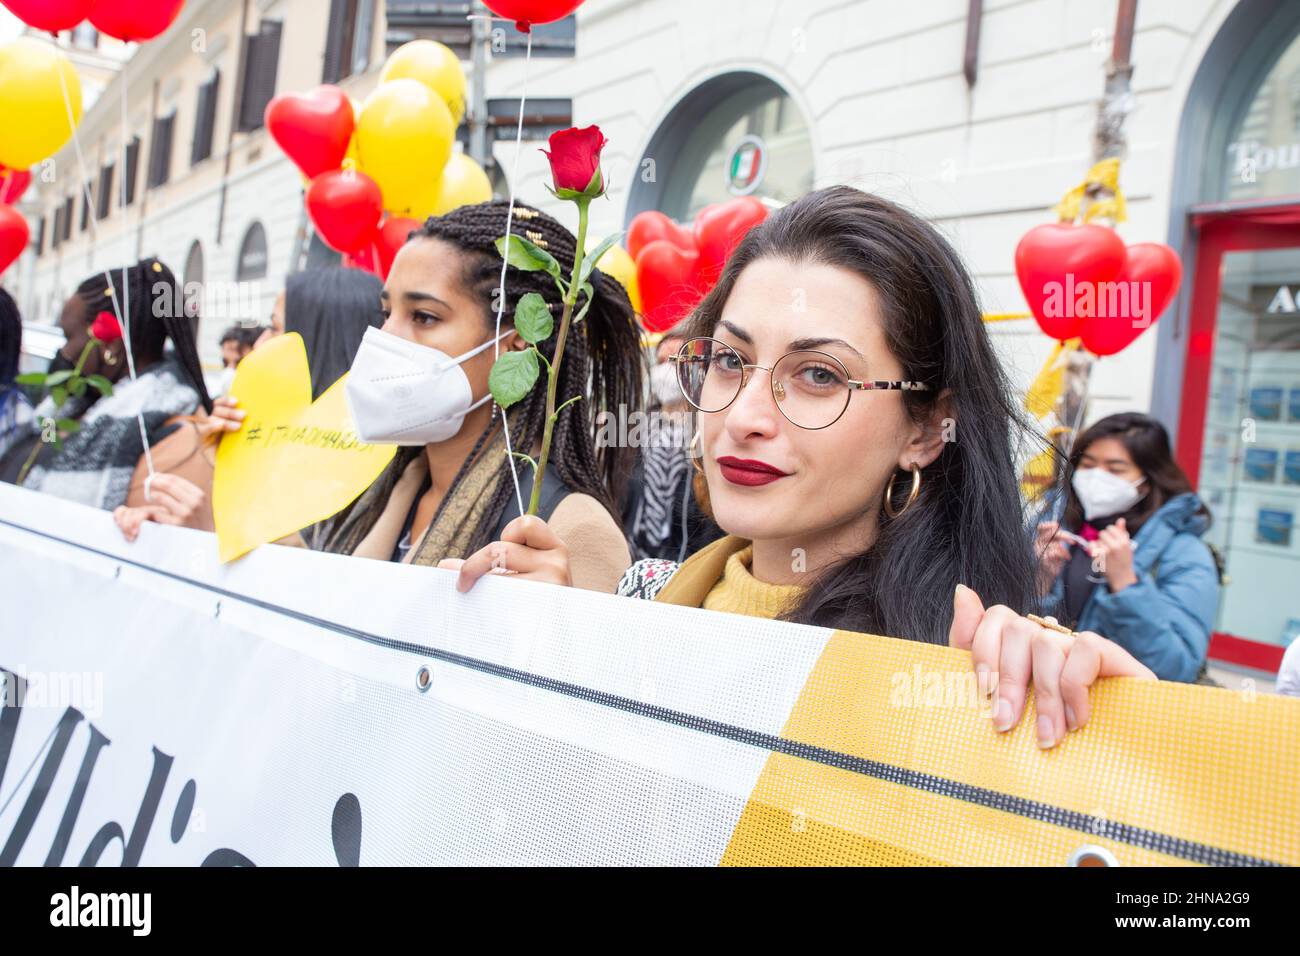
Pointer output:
106, 328
575, 161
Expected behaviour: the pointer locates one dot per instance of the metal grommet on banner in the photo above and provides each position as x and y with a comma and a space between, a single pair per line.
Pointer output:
423, 679
1092, 855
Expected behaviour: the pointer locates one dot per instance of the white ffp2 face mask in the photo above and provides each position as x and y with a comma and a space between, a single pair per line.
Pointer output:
1102, 493
404, 393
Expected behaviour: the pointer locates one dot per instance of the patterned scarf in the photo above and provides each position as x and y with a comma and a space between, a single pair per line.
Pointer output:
97, 461
451, 532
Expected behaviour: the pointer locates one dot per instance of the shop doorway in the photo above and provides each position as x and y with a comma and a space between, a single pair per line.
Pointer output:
1239, 424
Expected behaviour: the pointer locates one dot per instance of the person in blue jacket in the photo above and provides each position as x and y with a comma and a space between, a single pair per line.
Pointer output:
1124, 556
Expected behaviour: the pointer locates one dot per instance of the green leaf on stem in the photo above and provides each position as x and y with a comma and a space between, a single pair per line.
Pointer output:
590, 261
58, 378
527, 458
533, 319
77, 387
528, 256
513, 376
30, 378
69, 425
59, 394
100, 382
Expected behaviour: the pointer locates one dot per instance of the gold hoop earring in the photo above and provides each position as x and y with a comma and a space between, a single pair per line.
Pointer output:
912, 495
110, 358
695, 458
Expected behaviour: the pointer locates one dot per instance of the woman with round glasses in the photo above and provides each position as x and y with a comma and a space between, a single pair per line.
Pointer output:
857, 436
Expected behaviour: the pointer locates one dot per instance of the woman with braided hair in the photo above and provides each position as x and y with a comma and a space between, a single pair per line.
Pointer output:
95, 464
449, 490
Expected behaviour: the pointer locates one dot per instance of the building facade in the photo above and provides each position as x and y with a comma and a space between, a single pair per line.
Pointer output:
702, 101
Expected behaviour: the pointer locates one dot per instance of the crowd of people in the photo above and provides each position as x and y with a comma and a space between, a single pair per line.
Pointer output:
834, 443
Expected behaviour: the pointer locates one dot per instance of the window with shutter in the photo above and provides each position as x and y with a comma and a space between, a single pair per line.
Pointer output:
56, 234
441, 20
260, 68
85, 210
68, 204
365, 30
205, 120
105, 196
132, 162
40, 235
160, 151
338, 41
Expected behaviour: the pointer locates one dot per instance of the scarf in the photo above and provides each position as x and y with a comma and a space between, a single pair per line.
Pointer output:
666, 467
454, 527
96, 462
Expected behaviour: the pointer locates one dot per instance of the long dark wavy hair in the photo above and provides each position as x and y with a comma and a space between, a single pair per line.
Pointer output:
602, 362
331, 309
967, 526
1147, 443
155, 315
11, 339
11, 343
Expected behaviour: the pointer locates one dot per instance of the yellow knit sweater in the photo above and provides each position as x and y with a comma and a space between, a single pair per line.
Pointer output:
739, 592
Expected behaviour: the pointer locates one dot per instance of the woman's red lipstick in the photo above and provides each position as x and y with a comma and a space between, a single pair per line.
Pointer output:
747, 471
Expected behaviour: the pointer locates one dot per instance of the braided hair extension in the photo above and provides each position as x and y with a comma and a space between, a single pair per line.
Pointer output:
602, 357
156, 315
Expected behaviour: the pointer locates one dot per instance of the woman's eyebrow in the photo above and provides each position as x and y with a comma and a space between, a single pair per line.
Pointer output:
738, 332
424, 297
816, 343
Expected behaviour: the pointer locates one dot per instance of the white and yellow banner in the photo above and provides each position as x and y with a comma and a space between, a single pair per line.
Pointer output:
294, 708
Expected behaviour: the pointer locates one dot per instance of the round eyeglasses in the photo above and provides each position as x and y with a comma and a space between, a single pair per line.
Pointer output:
811, 388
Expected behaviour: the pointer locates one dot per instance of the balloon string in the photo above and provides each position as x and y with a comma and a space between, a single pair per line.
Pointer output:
93, 219
501, 285
126, 292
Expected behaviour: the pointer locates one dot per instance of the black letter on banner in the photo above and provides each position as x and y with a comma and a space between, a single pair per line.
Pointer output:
60, 844
345, 829
226, 857
41, 788
133, 848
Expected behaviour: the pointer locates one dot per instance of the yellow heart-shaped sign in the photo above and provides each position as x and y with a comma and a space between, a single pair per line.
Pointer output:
295, 461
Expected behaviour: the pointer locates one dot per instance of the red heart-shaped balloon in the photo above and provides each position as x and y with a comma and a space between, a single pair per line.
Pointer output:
1130, 304
392, 236
13, 183
345, 206
527, 12
312, 128
719, 229
668, 279
13, 236
646, 227
51, 16
365, 259
134, 19
1055, 262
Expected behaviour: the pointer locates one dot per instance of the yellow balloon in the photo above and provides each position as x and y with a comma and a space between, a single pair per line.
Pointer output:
35, 115
404, 136
435, 66
618, 263
463, 184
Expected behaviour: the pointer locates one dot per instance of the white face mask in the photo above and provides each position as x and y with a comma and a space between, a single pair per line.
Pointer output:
404, 393
663, 383
1102, 493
